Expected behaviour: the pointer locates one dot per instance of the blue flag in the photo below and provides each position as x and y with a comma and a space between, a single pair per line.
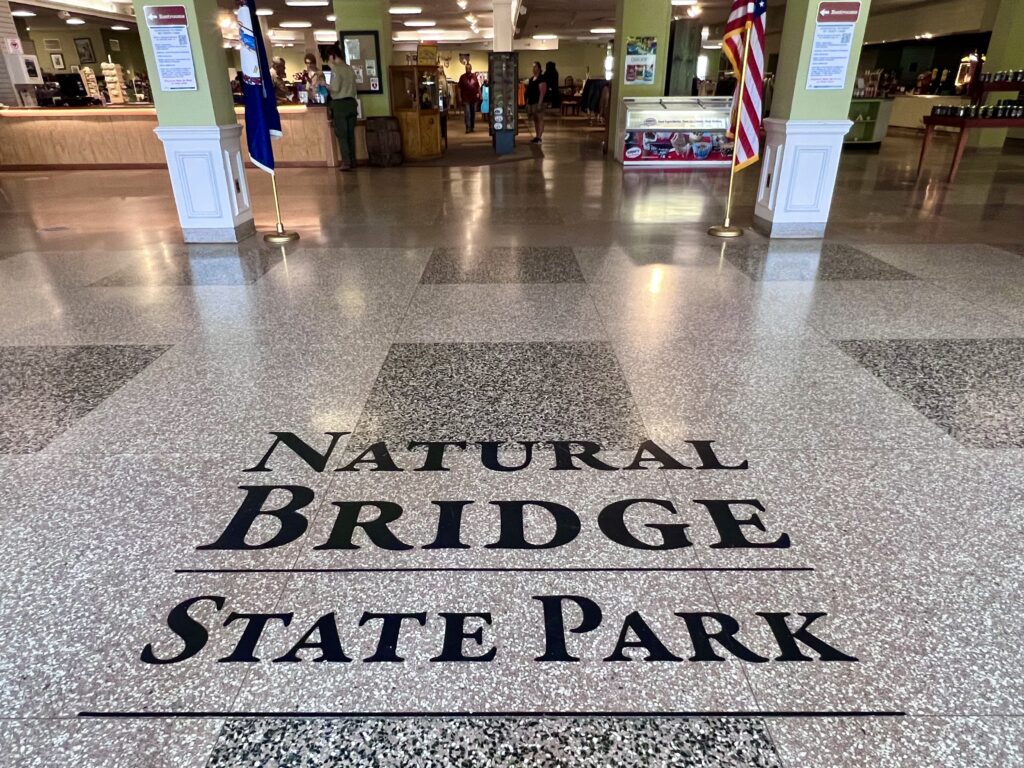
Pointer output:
262, 121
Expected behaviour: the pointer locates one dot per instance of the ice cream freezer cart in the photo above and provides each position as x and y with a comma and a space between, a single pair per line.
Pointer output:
676, 132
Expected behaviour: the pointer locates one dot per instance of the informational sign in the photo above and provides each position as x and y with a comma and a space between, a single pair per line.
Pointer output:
362, 53
833, 42
426, 55
168, 29
504, 81
641, 55
12, 45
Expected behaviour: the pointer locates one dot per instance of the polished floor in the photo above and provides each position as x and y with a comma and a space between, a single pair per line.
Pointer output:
857, 602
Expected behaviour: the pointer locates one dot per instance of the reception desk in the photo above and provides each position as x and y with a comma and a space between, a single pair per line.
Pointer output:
123, 137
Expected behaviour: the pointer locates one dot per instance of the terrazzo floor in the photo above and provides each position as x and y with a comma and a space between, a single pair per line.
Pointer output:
513, 466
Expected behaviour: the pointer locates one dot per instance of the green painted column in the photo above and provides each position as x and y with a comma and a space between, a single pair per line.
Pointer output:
637, 18
1005, 51
804, 134
792, 100
211, 103
364, 16
199, 131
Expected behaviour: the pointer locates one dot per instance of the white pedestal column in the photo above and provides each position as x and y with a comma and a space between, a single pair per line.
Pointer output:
798, 176
208, 177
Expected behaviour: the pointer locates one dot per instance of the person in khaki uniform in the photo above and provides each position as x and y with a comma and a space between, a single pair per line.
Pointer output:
344, 108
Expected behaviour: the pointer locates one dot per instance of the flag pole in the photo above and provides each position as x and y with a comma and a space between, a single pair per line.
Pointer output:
280, 236
727, 230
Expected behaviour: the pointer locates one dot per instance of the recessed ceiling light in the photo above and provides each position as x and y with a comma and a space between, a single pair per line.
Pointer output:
420, 23
295, 24
264, 12
405, 10
603, 31
332, 17
119, 28
74, 21
306, 3
462, 4
694, 11
545, 37
23, 14
684, 2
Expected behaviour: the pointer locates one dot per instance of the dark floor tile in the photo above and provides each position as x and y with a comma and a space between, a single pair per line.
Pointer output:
971, 387
442, 742
502, 265
801, 260
518, 391
206, 265
44, 390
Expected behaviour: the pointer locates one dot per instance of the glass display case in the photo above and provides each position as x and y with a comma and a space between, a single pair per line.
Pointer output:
504, 82
415, 101
687, 132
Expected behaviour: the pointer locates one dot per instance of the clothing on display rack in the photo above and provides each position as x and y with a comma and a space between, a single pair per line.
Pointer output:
590, 100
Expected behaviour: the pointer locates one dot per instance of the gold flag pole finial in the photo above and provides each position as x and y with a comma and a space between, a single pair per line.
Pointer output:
727, 230
280, 236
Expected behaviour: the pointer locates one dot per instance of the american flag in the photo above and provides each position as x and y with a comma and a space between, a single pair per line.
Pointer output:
746, 17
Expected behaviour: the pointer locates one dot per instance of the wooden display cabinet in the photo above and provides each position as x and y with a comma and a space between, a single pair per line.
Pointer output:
414, 102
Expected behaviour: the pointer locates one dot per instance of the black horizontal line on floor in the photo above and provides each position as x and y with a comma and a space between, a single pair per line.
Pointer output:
722, 569
462, 714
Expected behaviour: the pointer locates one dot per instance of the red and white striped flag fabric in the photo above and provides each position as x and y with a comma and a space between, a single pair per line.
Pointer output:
746, 18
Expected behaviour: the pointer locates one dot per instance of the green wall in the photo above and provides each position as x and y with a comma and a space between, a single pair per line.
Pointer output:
360, 16
792, 100
67, 36
211, 103
642, 18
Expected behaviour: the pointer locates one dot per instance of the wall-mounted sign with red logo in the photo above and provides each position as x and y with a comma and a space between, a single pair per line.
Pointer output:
168, 31
838, 12
165, 16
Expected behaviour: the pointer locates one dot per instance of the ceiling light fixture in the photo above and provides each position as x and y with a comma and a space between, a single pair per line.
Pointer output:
306, 3
684, 2
295, 24
332, 17
119, 28
75, 21
404, 10
694, 11
22, 14
545, 37
420, 23
603, 31
462, 4
264, 12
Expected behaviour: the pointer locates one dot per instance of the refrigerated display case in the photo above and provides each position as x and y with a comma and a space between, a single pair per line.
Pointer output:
684, 132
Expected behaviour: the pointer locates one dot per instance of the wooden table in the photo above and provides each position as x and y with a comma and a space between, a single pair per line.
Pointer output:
965, 124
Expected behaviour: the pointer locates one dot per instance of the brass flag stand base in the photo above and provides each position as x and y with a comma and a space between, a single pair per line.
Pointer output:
726, 230
720, 230
280, 237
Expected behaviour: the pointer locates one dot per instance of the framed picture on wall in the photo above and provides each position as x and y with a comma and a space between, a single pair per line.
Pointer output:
86, 55
51, 44
362, 52
57, 60
115, 45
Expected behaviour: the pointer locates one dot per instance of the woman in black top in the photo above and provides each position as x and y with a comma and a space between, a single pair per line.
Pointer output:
536, 91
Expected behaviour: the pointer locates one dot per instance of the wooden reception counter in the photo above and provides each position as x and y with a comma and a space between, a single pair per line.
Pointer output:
123, 137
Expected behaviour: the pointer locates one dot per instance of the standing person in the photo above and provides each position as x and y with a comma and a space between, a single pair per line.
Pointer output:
313, 78
469, 92
344, 109
554, 95
485, 101
536, 92
279, 79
